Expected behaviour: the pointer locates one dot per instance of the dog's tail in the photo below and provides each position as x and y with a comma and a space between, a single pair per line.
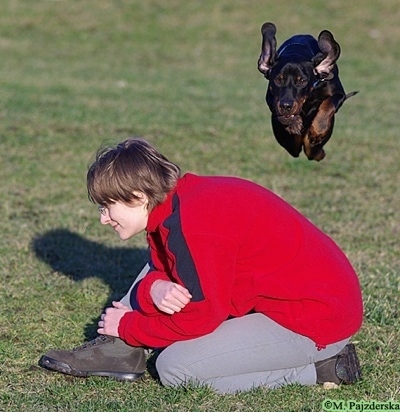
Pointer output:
341, 98
351, 94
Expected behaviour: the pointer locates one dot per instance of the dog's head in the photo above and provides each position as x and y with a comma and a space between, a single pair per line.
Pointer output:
296, 69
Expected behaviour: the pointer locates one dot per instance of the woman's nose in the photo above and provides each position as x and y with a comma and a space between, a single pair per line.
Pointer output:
105, 218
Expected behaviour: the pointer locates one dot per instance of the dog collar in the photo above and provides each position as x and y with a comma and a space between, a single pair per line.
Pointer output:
315, 84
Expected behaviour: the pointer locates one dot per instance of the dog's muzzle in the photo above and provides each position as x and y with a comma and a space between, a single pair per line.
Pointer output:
287, 108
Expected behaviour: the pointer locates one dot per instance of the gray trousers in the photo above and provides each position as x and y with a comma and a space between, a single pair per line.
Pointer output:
241, 354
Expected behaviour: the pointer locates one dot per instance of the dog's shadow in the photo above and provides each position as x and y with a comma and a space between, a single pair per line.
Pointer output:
78, 258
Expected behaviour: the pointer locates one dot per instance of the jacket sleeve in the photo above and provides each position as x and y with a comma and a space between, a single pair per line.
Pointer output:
143, 299
210, 284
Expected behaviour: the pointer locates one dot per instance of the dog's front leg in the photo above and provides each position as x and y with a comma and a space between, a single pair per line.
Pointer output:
322, 124
293, 124
293, 143
320, 130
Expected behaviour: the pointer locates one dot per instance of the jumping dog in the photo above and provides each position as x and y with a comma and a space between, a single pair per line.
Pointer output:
304, 90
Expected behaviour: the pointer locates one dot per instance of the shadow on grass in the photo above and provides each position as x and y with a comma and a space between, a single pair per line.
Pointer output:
78, 258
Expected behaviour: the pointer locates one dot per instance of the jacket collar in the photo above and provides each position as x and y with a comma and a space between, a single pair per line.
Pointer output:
163, 210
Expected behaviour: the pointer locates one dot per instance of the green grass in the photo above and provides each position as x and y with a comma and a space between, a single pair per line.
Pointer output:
75, 74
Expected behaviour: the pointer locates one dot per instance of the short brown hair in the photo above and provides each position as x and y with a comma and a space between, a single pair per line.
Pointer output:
132, 165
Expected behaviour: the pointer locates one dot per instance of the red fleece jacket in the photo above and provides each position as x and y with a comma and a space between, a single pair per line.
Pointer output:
238, 248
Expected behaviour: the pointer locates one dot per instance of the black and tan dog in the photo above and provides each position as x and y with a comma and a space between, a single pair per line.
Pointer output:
304, 90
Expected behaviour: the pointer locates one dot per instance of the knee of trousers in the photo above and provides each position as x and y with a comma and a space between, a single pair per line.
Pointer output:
172, 369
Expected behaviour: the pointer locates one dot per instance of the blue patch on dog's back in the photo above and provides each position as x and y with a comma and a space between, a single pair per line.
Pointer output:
301, 45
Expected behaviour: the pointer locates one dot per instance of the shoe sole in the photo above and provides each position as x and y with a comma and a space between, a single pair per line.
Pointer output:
55, 365
352, 372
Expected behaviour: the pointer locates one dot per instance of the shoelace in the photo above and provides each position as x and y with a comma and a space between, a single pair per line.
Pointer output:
93, 342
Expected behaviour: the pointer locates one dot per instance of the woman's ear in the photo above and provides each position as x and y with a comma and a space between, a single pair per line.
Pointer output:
140, 197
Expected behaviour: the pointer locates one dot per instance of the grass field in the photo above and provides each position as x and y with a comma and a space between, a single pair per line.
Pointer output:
77, 74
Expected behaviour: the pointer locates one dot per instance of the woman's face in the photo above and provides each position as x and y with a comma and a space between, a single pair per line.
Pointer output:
126, 219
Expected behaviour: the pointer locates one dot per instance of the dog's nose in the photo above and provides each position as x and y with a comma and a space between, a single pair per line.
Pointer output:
286, 107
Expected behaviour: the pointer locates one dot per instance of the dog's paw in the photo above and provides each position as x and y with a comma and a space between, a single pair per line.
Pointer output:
315, 140
295, 126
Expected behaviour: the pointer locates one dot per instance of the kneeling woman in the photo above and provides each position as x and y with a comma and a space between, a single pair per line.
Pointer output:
242, 290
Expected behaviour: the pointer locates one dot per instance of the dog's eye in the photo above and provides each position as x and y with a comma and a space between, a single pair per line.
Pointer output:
279, 80
302, 81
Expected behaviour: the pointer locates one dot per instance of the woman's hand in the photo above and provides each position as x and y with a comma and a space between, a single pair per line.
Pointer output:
169, 297
109, 320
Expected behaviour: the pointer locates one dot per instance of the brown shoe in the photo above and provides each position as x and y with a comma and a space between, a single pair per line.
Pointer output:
341, 368
104, 356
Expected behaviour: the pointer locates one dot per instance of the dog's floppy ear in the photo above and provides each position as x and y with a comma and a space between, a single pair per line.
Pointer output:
268, 49
324, 62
